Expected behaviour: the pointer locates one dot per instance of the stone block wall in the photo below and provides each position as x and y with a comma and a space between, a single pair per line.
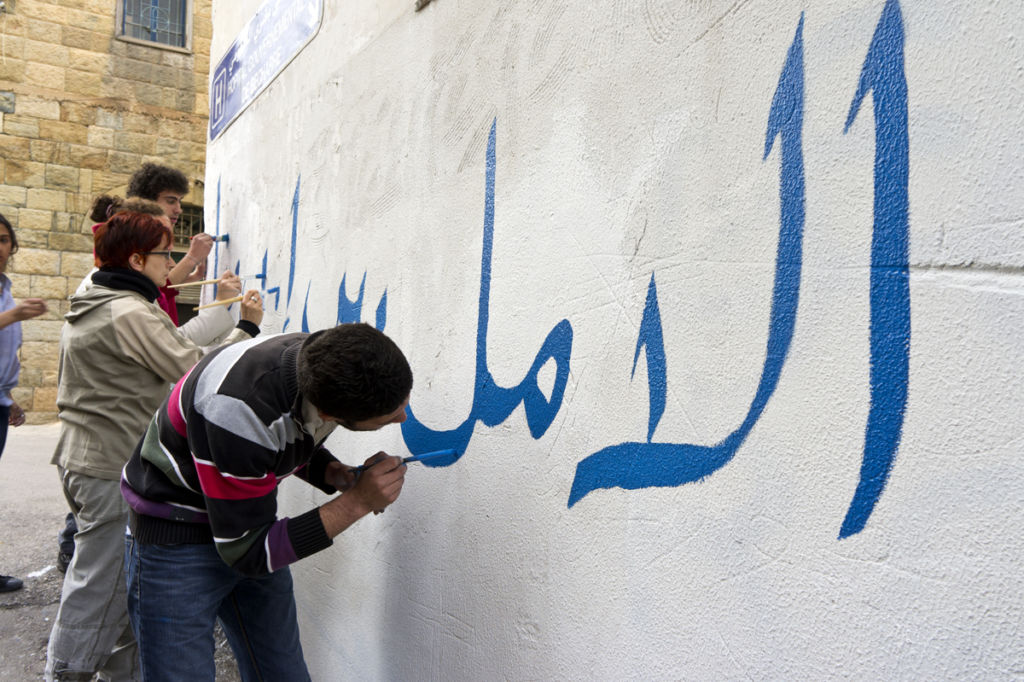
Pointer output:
80, 110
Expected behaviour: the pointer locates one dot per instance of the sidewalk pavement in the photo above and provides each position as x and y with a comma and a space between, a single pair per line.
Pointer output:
32, 510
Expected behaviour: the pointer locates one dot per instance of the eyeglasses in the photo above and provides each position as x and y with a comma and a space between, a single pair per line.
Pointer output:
162, 254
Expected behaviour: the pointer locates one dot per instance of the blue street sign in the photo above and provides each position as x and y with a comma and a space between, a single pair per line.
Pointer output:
271, 39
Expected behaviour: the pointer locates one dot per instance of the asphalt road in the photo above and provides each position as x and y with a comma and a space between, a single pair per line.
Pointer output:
32, 510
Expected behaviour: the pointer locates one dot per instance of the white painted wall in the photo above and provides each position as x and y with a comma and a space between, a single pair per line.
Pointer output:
630, 142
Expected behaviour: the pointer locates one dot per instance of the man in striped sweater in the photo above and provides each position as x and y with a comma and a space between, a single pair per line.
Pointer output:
206, 540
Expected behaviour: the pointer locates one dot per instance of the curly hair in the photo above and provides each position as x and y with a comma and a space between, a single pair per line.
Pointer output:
152, 179
353, 372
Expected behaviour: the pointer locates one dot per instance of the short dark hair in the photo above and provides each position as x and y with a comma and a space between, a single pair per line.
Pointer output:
152, 179
353, 372
10, 230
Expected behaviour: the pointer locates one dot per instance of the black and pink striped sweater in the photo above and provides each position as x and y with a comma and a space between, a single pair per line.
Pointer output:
208, 466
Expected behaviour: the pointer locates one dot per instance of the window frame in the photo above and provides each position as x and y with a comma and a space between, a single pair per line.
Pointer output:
195, 218
187, 49
192, 214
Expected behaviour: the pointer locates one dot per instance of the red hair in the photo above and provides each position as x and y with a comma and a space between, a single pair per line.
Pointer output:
126, 233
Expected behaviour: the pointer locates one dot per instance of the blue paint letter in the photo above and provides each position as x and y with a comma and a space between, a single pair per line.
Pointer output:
305, 313
492, 404
295, 232
884, 75
216, 232
350, 311
635, 465
652, 341
381, 318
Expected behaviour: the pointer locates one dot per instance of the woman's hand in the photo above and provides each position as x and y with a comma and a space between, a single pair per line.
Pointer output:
228, 286
199, 248
29, 308
192, 266
17, 415
252, 307
197, 274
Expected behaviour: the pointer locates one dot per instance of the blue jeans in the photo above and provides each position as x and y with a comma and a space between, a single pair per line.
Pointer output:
175, 595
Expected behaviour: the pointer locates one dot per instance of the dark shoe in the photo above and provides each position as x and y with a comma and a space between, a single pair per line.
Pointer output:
9, 584
66, 542
63, 675
66, 536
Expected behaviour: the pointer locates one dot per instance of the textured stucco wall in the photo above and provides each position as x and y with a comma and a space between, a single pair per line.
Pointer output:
722, 300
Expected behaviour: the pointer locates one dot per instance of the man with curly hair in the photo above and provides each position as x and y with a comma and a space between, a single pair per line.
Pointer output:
165, 185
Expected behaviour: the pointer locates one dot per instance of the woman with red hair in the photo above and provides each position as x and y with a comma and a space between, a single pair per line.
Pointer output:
119, 352
211, 324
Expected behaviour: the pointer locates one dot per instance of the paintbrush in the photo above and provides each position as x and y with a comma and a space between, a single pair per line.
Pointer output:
226, 301
206, 281
422, 457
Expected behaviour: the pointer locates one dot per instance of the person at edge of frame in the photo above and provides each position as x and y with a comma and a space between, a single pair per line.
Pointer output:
11, 316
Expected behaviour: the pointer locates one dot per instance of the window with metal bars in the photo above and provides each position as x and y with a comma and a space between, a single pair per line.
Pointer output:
156, 21
190, 223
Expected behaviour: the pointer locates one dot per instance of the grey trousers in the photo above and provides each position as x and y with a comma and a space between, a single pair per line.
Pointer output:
91, 633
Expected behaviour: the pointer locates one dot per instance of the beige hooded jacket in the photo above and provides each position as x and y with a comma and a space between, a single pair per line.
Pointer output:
119, 354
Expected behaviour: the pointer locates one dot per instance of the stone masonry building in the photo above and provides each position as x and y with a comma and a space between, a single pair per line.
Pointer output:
89, 90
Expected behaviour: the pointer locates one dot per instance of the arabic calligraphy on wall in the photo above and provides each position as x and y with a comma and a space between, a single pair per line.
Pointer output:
647, 464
